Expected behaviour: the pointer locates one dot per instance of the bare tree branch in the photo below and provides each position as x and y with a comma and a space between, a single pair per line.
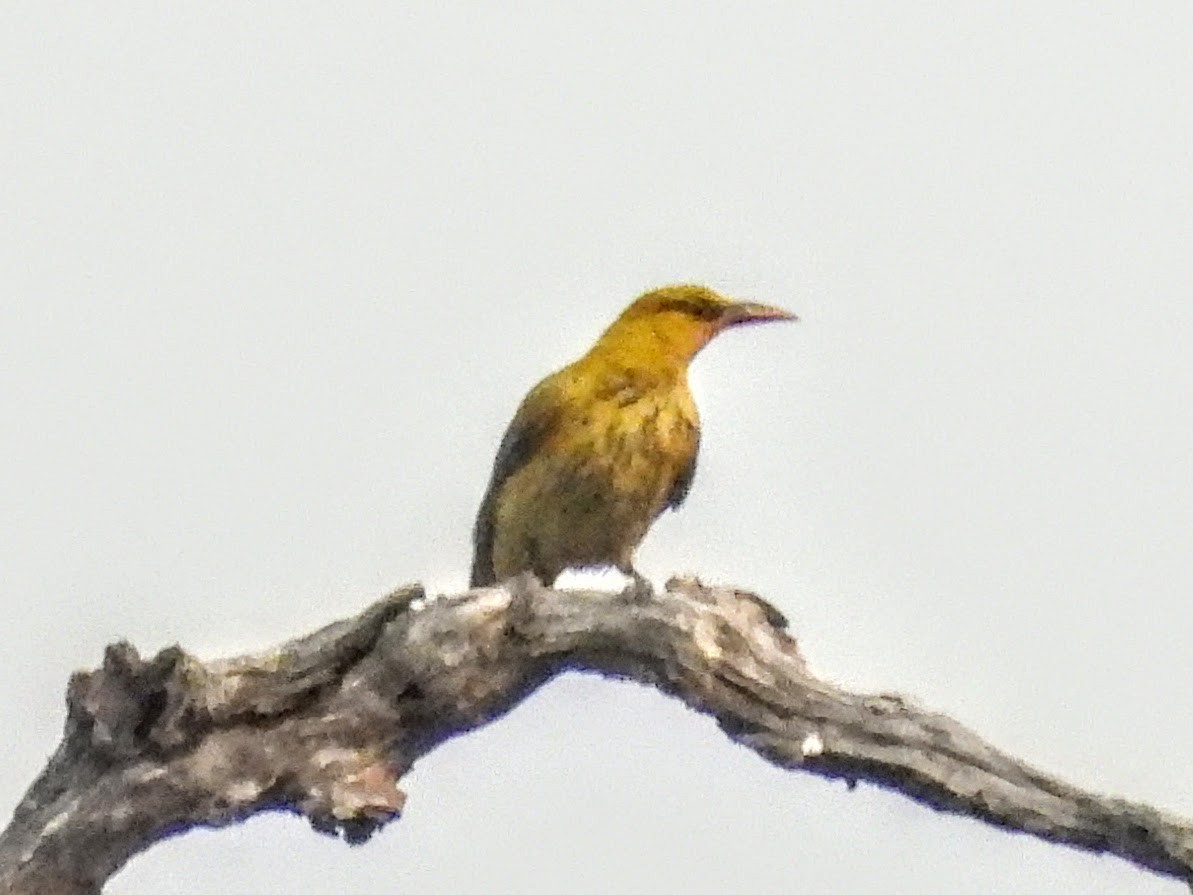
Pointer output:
326, 725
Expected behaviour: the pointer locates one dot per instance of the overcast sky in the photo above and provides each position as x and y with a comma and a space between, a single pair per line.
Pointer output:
273, 277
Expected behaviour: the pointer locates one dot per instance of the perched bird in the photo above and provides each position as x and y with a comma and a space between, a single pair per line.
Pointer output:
599, 449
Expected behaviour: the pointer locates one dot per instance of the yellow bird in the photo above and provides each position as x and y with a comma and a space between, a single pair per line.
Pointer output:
599, 449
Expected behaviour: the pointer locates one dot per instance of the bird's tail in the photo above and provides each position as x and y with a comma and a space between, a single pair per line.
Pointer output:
482, 571
482, 551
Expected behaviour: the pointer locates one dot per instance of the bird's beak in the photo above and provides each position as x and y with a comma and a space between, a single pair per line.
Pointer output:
752, 312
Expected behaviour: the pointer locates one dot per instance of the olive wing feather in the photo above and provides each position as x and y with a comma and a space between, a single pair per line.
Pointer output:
683, 481
528, 431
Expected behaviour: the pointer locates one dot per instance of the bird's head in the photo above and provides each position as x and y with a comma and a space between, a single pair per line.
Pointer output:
677, 321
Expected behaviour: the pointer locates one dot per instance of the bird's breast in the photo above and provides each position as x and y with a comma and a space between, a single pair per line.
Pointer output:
644, 441
588, 495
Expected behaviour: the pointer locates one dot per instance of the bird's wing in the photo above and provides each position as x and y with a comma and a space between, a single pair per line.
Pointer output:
683, 481
530, 428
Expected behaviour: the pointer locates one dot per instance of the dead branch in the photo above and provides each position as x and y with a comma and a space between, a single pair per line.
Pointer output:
325, 726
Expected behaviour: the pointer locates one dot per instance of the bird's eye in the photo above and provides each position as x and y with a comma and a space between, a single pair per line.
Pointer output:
698, 309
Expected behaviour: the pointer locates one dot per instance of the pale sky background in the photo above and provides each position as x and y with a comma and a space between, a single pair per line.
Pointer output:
273, 278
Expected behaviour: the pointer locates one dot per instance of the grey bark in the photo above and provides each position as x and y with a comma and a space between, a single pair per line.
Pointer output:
325, 726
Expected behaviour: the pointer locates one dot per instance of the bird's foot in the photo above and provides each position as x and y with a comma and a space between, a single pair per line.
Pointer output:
639, 589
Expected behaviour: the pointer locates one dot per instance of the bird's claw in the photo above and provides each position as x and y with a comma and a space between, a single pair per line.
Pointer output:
639, 589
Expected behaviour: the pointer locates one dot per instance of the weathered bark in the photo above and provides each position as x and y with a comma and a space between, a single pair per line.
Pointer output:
326, 725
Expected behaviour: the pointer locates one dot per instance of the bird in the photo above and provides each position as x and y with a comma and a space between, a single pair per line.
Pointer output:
599, 449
